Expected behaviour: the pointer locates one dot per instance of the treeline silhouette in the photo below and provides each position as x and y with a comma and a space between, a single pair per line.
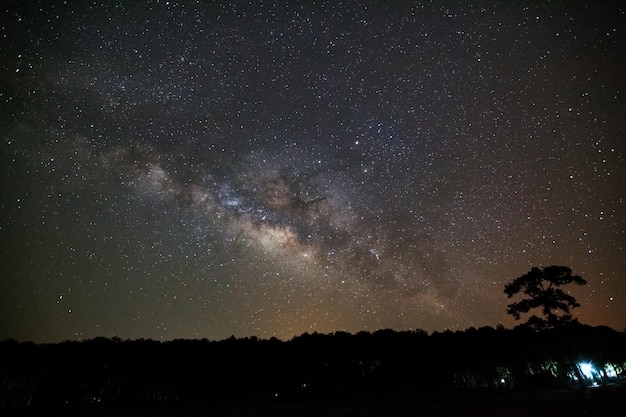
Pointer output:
111, 372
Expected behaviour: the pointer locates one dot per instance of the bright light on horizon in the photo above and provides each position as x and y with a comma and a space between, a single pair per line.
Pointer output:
587, 369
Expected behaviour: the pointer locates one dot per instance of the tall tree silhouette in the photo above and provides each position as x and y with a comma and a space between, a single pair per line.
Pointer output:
541, 289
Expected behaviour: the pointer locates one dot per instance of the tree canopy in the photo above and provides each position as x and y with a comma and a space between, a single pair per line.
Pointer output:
541, 287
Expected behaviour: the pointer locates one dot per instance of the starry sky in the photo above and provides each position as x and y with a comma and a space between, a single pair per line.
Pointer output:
200, 170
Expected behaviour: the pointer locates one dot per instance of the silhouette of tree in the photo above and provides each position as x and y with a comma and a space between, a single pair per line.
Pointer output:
541, 288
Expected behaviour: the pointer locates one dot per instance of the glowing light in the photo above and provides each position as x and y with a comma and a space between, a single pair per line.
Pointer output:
610, 371
587, 370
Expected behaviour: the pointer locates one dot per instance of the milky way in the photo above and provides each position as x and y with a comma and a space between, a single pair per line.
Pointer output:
190, 170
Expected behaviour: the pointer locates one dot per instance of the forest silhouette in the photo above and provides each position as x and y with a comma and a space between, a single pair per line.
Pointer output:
373, 373
389, 365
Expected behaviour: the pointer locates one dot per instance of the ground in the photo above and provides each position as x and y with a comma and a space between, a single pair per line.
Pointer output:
607, 400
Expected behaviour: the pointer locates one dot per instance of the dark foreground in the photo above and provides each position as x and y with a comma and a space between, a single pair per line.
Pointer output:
607, 400
574, 371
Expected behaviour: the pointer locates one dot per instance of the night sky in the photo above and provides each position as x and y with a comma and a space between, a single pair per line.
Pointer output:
199, 170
